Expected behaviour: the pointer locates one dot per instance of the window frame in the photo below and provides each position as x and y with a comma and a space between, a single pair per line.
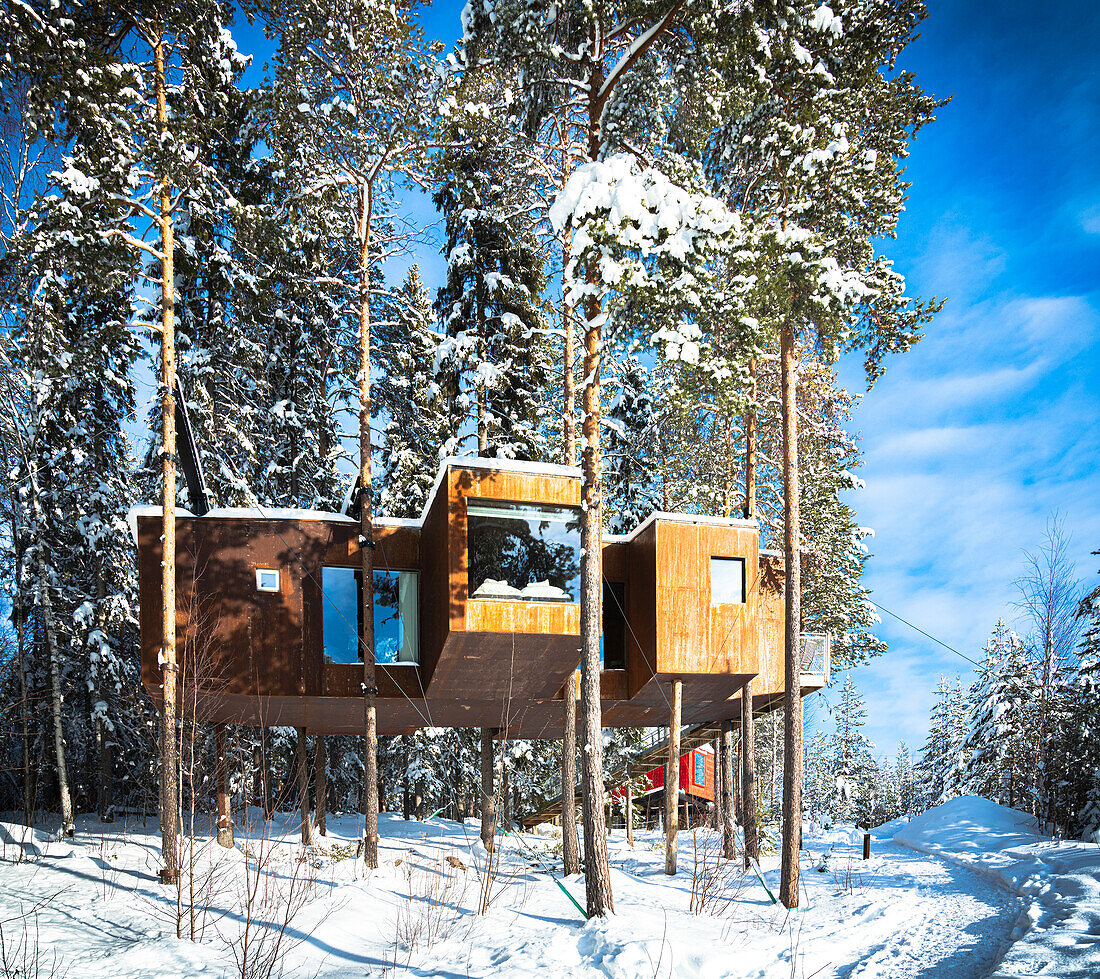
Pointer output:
491, 503
357, 573
732, 559
260, 586
699, 767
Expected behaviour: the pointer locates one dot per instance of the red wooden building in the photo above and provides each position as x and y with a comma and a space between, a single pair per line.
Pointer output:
696, 786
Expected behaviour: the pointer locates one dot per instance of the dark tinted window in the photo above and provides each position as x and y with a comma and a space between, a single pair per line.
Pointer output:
613, 634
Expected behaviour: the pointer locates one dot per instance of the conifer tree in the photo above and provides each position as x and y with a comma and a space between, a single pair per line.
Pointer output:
357, 83
1001, 723
418, 428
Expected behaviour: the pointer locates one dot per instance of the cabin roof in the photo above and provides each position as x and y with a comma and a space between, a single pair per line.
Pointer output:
258, 512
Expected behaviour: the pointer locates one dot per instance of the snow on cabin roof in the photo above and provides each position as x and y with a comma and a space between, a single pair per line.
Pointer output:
693, 518
249, 513
458, 462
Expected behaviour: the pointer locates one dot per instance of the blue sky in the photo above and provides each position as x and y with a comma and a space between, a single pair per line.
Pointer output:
990, 424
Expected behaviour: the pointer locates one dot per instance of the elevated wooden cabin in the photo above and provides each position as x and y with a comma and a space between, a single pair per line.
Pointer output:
477, 618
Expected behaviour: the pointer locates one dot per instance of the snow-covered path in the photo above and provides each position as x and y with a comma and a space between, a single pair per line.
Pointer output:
98, 911
946, 922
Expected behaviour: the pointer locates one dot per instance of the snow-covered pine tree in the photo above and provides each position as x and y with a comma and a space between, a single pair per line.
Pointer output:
496, 356
814, 154
418, 427
355, 85
853, 764
1000, 740
941, 768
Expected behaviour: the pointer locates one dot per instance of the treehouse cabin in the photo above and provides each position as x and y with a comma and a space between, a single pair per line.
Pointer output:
476, 612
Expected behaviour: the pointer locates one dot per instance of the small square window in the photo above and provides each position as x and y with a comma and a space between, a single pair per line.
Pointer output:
267, 579
727, 581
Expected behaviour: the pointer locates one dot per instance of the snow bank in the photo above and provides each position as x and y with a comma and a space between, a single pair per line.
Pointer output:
1058, 934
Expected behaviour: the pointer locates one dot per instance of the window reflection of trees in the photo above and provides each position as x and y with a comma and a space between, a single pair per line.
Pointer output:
387, 616
521, 552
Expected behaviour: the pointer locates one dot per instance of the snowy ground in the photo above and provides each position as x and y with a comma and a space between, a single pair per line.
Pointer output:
93, 908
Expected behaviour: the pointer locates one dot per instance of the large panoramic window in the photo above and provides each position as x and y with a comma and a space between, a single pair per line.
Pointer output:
727, 581
523, 552
396, 638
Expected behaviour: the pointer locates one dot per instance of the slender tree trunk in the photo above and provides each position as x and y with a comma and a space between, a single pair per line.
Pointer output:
748, 776
303, 788
170, 774
570, 844
571, 854
45, 604
716, 821
629, 811
20, 638
370, 689
406, 798
672, 778
597, 869
320, 767
221, 777
792, 694
729, 833
488, 790
750, 450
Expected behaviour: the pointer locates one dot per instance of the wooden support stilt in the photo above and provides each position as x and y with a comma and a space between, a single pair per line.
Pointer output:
748, 776
225, 813
629, 812
303, 789
320, 769
672, 778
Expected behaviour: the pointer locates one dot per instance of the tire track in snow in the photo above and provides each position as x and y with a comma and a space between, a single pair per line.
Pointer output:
949, 923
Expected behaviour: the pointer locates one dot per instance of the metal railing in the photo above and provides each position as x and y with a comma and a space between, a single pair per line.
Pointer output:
815, 653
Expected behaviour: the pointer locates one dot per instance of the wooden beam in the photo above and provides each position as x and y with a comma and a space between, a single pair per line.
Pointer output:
729, 834
629, 812
672, 778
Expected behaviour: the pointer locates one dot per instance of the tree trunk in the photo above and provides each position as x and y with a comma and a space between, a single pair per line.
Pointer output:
792, 695
303, 788
370, 690
571, 854
221, 777
406, 797
748, 776
67, 826
629, 811
729, 833
320, 768
597, 869
672, 778
750, 450
716, 821
24, 710
169, 747
570, 844
488, 790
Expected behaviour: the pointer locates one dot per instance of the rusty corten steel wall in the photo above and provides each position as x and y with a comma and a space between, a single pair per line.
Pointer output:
235, 639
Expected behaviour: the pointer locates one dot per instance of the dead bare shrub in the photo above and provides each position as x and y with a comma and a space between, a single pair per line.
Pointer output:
432, 907
272, 891
716, 882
